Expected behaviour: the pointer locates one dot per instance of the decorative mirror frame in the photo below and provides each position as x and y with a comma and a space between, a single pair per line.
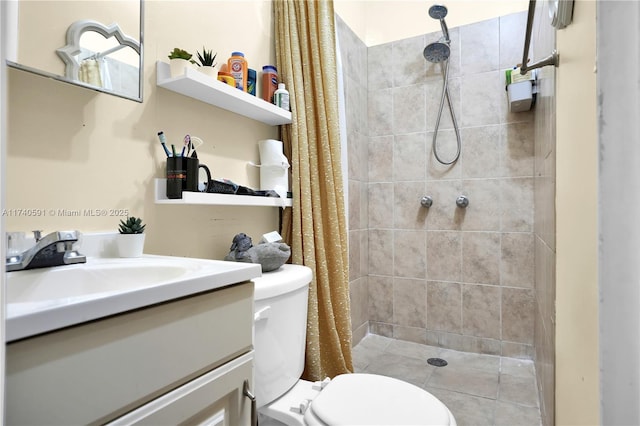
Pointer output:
72, 47
64, 79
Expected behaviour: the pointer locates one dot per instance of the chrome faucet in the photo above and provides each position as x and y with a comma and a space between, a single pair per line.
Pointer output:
54, 249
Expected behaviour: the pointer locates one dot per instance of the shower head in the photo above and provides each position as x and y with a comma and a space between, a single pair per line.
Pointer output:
437, 52
438, 11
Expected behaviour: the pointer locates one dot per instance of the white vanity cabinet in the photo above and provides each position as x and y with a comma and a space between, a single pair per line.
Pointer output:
184, 361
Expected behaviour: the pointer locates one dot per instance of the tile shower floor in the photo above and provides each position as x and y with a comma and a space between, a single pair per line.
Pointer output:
478, 389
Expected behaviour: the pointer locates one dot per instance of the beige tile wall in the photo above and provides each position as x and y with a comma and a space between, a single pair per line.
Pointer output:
462, 279
353, 54
446, 276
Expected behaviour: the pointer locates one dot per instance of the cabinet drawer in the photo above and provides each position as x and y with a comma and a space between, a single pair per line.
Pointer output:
96, 372
215, 398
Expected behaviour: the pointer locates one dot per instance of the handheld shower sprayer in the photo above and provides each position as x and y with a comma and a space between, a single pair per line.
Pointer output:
438, 11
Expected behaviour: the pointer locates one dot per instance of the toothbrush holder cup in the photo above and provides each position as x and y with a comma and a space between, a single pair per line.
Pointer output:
183, 175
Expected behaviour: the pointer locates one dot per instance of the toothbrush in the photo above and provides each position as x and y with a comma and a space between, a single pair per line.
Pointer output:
163, 141
187, 143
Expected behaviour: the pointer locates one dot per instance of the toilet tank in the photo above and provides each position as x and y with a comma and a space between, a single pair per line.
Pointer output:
280, 320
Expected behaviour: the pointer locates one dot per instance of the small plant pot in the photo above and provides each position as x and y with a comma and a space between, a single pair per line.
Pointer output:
130, 245
210, 71
178, 67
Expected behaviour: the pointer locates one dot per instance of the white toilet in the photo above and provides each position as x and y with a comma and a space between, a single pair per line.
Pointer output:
348, 399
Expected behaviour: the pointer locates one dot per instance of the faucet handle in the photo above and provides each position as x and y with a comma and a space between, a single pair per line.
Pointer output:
37, 234
15, 243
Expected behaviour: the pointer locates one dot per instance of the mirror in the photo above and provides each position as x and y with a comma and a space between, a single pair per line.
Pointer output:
95, 44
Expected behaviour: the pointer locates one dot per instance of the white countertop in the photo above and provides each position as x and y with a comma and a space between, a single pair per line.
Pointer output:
108, 286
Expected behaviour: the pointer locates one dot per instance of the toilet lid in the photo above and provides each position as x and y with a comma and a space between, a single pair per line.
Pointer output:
368, 399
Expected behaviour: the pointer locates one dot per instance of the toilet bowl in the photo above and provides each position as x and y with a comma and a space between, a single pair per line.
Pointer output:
280, 320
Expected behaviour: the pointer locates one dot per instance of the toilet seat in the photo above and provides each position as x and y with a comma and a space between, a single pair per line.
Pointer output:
368, 399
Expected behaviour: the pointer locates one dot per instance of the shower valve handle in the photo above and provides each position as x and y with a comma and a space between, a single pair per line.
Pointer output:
462, 201
426, 201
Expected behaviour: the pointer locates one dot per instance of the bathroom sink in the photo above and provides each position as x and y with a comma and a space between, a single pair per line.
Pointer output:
41, 300
37, 285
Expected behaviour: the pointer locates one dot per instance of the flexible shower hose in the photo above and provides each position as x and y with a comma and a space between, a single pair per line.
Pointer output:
445, 93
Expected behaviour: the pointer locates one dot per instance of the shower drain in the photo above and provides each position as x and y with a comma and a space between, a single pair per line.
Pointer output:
438, 362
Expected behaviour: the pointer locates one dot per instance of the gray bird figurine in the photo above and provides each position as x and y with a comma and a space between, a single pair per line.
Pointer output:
270, 256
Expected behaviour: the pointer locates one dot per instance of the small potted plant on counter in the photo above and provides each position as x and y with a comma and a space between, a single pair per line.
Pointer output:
207, 62
179, 60
131, 238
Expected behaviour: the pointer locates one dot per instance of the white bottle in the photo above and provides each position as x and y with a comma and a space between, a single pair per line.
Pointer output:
281, 97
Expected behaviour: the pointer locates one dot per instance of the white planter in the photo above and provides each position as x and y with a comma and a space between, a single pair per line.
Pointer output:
130, 245
210, 71
178, 66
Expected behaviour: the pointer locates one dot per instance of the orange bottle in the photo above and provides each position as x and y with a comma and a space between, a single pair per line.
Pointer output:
269, 82
238, 68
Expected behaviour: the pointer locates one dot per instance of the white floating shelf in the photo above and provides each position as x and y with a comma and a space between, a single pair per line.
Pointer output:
202, 87
208, 198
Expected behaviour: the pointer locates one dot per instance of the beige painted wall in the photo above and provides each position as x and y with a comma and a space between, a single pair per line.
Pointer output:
377, 22
577, 377
75, 149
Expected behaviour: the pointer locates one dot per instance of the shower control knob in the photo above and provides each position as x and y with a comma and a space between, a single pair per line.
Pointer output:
426, 201
462, 201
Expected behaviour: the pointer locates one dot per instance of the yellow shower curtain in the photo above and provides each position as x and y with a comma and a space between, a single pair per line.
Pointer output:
315, 227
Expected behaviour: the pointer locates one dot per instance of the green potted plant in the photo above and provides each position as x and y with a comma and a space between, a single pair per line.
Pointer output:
207, 62
179, 60
131, 237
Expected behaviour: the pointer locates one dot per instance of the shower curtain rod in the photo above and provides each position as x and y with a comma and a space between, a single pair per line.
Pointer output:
549, 60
